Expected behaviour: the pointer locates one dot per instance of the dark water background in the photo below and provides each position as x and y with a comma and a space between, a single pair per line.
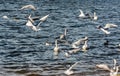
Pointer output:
23, 52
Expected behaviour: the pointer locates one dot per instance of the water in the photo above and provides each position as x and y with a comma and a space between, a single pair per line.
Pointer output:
23, 52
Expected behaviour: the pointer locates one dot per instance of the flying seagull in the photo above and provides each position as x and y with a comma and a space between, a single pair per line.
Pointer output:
28, 7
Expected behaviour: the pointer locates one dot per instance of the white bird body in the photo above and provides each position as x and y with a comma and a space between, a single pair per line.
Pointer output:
85, 46
28, 6
5, 17
56, 48
95, 17
68, 71
63, 36
110, 25
78, 42
48, 44
82, 15
30, 24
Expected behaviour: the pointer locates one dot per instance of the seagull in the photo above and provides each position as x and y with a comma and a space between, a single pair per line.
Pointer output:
82, 15
30, 24
95, 17
5, 17
31, 21
63, 36
28, 6
42, 19
56, 48
113, 71
68, 71
48, 43
110, 25
85, 46
102, 29
78, 42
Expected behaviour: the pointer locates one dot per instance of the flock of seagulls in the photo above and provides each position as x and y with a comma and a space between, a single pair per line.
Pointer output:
75, 45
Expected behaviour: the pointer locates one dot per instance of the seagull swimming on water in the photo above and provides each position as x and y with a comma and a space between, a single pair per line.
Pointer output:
63, 36
81, 15
95, 17
85, 46
78, 42
56, 48
5, 17
28, 6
